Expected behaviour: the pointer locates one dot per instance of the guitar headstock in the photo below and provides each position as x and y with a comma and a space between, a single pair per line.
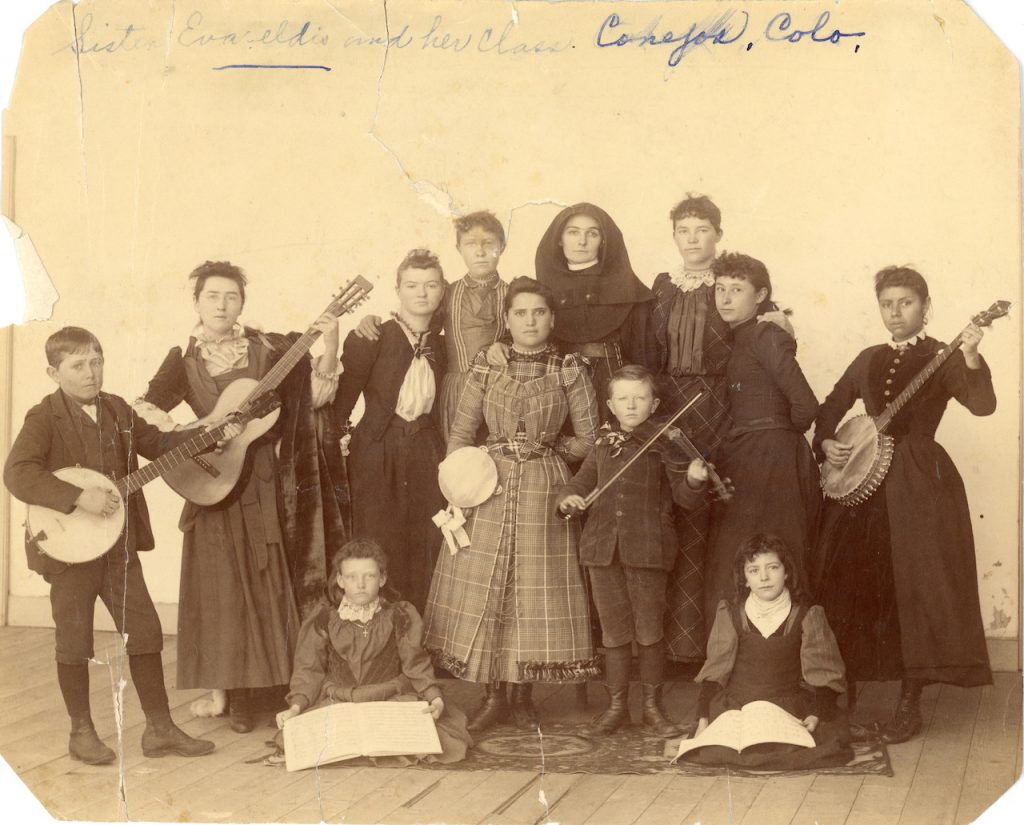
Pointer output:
987, 316
350, 296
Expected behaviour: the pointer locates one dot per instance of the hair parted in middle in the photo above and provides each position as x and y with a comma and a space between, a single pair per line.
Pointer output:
527, 286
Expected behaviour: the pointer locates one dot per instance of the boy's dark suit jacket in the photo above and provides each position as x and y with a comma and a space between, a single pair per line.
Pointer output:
49, 441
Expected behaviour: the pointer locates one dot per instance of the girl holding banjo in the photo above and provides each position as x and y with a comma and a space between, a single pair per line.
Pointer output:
914, 614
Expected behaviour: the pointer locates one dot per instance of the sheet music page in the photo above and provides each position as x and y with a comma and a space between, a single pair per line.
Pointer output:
767, 722
321, 736
345, 731
390, 728
754, 723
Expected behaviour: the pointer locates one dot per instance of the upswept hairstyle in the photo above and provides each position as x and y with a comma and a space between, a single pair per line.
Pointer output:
901, 276
217, 269
697, 206
67, 341
419, 258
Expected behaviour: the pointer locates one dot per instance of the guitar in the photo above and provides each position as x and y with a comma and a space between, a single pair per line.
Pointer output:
872, 448
210, 478
78, 536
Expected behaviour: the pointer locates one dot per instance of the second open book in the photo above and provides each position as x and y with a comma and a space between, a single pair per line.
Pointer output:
753, 724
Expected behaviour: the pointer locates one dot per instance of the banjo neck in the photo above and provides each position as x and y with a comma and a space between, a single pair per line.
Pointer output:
918, 381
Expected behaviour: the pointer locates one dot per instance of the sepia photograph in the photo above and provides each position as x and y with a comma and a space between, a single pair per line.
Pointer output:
599, 412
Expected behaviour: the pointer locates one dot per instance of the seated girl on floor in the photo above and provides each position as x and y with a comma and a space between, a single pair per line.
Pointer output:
359, 647
769, 644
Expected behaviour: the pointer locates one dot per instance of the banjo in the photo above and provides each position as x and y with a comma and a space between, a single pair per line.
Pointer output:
872, 447
78, 536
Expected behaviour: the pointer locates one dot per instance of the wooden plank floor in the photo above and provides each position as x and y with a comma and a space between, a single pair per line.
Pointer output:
968, 755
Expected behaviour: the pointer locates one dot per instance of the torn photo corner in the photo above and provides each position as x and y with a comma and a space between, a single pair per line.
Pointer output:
310, 141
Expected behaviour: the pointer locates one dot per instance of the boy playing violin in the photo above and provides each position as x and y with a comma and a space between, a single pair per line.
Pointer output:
79, 425
629, 544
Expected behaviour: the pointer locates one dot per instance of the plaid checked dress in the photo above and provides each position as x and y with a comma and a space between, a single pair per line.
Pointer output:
513, 606
706, 424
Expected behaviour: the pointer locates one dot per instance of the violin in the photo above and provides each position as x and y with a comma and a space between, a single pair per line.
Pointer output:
676, 449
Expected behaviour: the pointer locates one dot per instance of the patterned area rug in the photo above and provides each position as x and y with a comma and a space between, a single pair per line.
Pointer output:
559, 749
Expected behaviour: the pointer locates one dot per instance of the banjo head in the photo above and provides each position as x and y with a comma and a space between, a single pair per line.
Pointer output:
860, 432
75, 537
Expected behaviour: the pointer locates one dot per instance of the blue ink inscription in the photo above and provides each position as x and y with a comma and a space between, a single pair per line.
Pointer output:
727, 28
780, 27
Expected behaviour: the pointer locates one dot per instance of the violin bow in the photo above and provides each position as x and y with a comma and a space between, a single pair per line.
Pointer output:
594, 494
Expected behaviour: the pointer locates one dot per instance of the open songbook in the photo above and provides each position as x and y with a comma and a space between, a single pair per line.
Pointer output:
350, 729
753, 724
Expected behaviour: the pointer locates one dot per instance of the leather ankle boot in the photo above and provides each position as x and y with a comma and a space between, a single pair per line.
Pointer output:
240, 710
615, 716
524, 714
654, 718
905, 722
162, 737
492, 710
85, 746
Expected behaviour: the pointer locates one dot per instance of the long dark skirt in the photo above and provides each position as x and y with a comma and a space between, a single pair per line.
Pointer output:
777, 491
394, 496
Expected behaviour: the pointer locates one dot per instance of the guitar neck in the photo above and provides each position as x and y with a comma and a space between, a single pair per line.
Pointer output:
916, 383
134, 482
285, 364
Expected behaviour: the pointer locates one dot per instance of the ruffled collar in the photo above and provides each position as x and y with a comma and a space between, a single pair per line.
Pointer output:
203, 336
901, 346
688, 280
355, 613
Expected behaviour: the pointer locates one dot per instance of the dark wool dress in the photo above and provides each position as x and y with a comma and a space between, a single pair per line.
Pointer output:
765, 454
797, 668
253, 562
691, 317
897, 573
382, 660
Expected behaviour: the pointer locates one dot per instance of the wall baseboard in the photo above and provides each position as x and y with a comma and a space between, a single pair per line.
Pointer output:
34, 611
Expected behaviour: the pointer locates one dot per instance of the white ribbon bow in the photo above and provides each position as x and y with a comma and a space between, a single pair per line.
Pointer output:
452, 523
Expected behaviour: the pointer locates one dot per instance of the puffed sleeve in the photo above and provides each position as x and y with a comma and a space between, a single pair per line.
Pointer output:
469, 414
820, 662
310, 667
722, 645
776, 352
168, 387
416, 663
972, 388
582, 411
